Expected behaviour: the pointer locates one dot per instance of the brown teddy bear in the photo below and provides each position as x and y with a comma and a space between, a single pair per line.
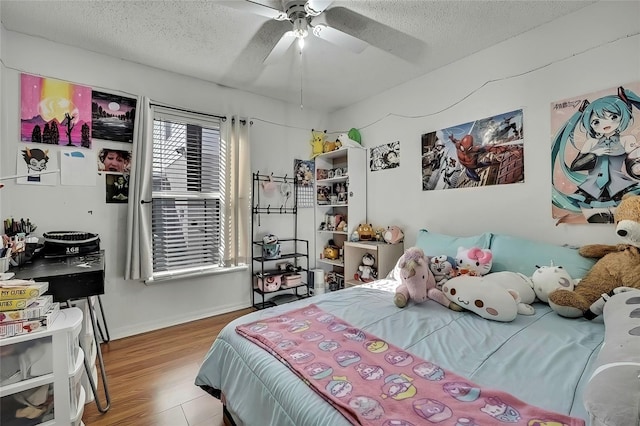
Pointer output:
618, 265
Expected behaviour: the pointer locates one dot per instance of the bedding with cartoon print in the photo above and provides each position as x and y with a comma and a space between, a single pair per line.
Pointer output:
543, 359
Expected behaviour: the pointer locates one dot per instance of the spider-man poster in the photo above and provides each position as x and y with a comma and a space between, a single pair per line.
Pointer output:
594, 153
484, 152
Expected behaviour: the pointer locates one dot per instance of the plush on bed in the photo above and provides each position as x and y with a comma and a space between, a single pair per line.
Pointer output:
544, 360
612, 395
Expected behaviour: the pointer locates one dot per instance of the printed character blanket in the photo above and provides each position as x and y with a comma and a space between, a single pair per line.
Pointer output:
372, 382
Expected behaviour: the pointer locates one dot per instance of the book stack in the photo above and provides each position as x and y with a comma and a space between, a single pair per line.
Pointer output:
24, 308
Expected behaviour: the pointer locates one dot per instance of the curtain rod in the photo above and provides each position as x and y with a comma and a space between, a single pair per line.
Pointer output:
221, 117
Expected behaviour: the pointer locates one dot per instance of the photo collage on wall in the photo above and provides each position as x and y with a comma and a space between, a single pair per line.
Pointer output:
489, 151
305, 174
75, 122
595, 153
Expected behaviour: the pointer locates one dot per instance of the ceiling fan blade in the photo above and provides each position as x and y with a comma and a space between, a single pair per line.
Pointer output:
281, 47
376, 34
255, 8
250, 62
334, 36
317, 6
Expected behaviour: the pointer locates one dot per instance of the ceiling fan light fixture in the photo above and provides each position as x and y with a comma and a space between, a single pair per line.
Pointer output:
300, 28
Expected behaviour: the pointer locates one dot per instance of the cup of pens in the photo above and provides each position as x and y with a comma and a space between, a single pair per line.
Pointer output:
4, 263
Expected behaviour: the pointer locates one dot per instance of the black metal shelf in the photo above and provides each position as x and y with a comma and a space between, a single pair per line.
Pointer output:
284, 256
271, 272
294, 249
270, 303
282, 289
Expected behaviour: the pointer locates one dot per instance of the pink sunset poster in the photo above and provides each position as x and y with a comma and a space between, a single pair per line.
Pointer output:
54, 112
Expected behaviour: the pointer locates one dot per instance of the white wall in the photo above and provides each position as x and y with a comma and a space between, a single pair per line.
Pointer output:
595, 48
130, 306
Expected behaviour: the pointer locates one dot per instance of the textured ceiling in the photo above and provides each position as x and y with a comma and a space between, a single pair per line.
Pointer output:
217, 42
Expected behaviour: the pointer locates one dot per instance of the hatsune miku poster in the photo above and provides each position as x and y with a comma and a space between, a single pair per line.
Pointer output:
595, 155
489, 151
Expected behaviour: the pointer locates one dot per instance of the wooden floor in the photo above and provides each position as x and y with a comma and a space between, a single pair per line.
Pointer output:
151, 377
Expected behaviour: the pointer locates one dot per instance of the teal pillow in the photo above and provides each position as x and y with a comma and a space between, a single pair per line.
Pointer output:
434, 244
517, 254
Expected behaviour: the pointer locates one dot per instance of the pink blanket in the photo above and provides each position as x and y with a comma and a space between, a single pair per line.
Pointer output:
372, 382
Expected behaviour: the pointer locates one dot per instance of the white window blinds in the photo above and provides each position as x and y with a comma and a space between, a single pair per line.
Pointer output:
188, 192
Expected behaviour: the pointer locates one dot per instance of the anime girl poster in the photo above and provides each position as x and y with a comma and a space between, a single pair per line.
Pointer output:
385, 156
112, 117
595, 155
54, 112
484, 152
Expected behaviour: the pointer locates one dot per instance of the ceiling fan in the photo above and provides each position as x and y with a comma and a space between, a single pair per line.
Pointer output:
294, 20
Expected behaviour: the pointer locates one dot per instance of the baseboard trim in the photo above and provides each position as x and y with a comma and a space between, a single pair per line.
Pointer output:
165, 322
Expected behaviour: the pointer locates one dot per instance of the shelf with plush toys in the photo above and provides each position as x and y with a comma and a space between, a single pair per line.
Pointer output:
277, 269
340, 195
373, 256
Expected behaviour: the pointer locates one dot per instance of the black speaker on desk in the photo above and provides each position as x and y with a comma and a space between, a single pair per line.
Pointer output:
70, 243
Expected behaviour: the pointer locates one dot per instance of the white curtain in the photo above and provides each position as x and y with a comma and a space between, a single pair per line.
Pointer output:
139, 245
237, 192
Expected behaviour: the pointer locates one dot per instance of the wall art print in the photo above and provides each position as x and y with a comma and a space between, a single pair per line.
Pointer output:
114, 160
484, 152
112, 117
385, 156
34, 166
117, 189
54, 112
77, 167
595, 155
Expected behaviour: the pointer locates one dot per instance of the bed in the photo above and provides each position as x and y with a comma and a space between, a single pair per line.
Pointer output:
543, 359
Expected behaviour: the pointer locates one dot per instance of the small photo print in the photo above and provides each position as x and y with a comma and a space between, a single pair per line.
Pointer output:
385, 156
117, 188
114, 160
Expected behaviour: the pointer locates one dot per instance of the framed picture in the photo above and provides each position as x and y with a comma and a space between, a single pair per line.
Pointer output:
112, 117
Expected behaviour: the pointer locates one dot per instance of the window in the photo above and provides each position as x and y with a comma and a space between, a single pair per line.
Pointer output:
188, 193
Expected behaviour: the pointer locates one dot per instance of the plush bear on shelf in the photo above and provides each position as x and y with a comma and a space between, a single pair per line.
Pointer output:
618, 265
366, 272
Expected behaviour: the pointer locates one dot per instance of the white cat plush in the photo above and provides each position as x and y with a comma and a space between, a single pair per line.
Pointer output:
549, 278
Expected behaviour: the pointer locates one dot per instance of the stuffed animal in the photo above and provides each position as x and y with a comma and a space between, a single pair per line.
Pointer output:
518, 282
365, 232
354, 134
485, 298
442, 267
330, 146
366, 272
393, 235
417, 283
618, 265
347, 142
473, 261
546, 279
317, 142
